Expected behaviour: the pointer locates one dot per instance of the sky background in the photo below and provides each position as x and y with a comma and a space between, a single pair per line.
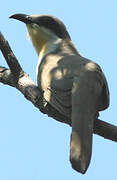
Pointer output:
32, 145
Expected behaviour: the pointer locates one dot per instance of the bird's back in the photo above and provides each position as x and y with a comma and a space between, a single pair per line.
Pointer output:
56, 75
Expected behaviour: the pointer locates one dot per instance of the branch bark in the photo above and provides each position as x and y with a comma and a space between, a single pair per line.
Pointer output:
17, 78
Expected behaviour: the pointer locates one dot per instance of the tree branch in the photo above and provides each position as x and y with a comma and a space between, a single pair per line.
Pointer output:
105, 130
16, 77
10, 58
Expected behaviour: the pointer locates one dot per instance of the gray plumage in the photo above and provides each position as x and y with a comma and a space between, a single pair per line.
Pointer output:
72, 84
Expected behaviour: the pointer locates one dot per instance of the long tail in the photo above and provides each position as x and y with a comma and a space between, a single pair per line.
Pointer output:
85, 94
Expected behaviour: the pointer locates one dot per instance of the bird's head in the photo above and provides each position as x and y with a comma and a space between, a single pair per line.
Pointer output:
43, 30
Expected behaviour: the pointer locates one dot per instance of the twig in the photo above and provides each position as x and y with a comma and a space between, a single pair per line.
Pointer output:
10, 58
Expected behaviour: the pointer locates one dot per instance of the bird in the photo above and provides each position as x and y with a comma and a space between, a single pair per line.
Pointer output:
73, 85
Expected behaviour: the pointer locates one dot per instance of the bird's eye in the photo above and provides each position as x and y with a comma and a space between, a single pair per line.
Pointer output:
29, 19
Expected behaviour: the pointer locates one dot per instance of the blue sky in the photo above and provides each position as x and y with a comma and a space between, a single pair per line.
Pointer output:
32, 145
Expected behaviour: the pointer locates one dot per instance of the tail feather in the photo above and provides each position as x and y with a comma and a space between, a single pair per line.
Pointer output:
85, 94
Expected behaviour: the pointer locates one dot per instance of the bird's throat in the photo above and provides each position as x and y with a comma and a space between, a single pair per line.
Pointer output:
43, 41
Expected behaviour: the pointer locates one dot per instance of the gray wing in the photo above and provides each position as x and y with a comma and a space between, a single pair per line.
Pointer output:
57, 81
